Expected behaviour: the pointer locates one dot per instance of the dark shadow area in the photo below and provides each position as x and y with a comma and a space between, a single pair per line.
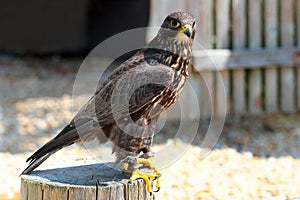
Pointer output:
85, 175
67, 27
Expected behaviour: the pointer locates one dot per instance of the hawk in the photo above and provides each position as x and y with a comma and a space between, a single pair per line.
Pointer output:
125, 107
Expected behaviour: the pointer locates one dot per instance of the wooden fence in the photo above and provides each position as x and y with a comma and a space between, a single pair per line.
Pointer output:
255, 47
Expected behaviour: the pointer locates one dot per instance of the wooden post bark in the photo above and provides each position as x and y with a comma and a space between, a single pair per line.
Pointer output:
93, 181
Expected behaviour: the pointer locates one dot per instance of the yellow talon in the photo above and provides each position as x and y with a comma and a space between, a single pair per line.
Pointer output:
137, 174
157, 185
149, 163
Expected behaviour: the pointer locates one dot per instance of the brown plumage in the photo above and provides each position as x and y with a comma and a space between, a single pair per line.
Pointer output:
126, 106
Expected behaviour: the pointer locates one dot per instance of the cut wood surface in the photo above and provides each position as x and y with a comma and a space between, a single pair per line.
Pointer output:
93, 181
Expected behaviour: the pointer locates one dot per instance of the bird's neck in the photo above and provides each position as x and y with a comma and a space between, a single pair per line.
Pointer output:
175, 53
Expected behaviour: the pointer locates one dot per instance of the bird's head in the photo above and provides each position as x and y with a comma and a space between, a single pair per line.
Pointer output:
180, 23
176, 35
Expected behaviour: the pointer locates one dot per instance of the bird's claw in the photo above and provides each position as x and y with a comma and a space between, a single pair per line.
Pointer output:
137, 174
157, 189
157, 176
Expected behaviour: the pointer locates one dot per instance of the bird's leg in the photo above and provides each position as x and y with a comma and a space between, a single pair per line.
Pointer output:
131, 165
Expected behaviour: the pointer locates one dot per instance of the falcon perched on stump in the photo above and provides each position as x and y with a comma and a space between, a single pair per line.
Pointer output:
125, 108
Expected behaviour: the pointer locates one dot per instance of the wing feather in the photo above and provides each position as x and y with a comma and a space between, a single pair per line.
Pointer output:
126, 94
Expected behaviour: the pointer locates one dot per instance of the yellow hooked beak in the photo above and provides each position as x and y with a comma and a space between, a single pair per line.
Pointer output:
186, 29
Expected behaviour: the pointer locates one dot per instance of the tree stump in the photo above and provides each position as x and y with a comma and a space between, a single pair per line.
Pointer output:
93, 181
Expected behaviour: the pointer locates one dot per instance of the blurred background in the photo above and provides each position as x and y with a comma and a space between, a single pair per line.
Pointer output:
67, 27
246, 68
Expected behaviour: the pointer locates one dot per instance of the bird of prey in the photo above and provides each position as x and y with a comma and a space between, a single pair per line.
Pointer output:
125, 107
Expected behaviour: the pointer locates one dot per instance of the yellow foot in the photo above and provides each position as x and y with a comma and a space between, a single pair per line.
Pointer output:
136, 174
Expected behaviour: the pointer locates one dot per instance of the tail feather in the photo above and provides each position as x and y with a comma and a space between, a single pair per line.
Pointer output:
35, 163
66, 137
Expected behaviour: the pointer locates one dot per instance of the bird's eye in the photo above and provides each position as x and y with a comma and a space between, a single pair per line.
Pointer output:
174, 24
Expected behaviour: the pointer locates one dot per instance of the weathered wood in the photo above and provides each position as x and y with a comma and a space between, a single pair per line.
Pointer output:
94, 181
287, 75
255, 76
255, 92
222, 79
238, 87
298, 88
241, 59
271, 93
49, 192
207, 98
280, 24
271, 38
205, 33
159, 10
204, 36
298, 44
239, 39
222, 93
277, 19
222, 23
190, 94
